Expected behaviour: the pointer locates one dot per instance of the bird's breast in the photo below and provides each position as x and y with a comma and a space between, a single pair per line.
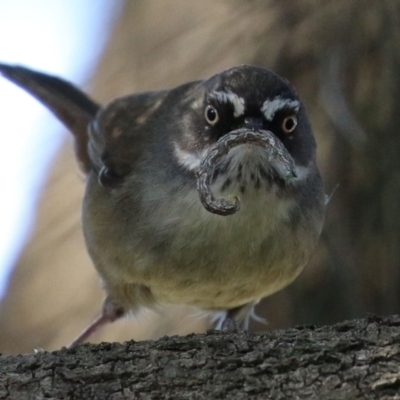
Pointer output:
241, 257
187, 255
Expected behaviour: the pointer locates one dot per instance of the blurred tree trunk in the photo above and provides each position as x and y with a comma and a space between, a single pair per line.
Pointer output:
343, 57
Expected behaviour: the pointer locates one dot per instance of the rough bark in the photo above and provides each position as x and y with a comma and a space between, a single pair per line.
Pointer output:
353, 359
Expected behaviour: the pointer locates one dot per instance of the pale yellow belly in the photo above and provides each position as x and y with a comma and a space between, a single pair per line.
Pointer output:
206, 260
218, 266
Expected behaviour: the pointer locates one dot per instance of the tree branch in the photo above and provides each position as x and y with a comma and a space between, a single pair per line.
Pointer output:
354, 359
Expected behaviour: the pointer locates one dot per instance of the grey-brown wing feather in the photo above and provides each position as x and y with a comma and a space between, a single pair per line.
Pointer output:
120, 131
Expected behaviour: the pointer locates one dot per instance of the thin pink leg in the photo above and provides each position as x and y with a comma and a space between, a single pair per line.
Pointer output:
109, 314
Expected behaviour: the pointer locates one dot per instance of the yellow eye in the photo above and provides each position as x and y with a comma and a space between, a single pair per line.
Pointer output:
211, 115
289, 124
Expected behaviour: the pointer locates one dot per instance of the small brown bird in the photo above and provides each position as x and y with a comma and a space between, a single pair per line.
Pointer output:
153, 228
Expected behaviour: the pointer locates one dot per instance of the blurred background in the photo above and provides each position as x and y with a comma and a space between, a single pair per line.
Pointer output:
343, 57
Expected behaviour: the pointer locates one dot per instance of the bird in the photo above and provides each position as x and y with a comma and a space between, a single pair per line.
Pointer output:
207, 194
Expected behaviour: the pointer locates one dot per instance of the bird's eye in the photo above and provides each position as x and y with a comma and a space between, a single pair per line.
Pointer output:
289, 124
108, 177
211, 115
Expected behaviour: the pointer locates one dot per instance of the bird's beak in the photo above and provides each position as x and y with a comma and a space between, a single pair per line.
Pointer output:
253, 123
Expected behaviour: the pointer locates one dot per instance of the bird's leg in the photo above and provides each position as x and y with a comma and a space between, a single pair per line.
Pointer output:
230, 325
237, 319
110, 313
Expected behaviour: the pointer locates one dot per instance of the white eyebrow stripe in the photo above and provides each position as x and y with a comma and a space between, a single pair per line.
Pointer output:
270, 107
234, 99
